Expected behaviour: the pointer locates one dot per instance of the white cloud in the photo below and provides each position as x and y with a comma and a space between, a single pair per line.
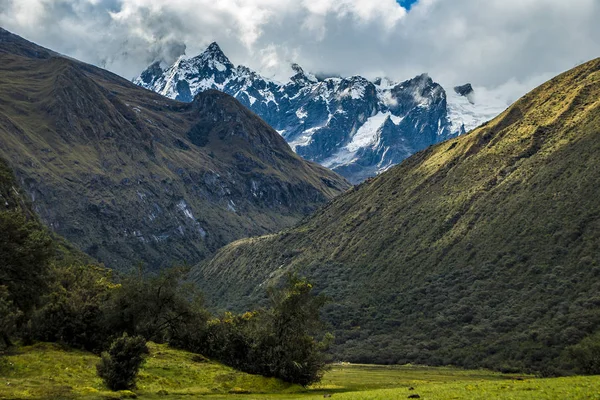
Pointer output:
503, 45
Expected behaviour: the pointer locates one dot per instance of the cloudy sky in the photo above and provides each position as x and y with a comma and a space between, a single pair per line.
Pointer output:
504, 45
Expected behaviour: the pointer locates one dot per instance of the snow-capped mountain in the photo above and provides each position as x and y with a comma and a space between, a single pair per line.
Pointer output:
354, 126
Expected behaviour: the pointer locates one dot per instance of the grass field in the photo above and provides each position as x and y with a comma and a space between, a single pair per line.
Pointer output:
46, 371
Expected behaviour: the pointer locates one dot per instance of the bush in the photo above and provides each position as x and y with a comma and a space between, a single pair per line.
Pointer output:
586, 355
120, 365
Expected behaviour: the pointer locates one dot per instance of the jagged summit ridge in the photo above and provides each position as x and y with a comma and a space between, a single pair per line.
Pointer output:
341, 123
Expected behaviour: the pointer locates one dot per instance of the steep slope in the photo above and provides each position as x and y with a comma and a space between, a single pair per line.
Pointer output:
356, 127
480, 251
128, 175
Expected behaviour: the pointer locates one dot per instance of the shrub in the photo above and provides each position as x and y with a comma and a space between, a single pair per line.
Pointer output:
120, 365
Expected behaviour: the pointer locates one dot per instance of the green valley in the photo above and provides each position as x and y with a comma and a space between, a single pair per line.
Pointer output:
151, 248
482, 251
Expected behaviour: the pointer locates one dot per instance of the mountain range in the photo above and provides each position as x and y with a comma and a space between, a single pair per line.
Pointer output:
355, 126
481, 251
130, 176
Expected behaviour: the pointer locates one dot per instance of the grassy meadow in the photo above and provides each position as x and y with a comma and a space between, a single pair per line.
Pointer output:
47, 371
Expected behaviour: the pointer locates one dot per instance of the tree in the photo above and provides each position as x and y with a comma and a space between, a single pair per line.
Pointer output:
26, 249
586, 354
277, 342
295, 356
9, 315
73, 311
161, 308
119, 366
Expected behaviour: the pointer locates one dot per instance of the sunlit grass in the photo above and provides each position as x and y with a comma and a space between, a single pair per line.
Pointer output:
47, 371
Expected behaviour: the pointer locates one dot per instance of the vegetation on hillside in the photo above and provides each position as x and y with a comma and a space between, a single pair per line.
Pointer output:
483, 251
47, 296
83, 308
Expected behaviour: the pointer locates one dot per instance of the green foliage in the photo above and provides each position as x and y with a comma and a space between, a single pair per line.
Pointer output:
26, 250
586, 354
119, 366
85, 308
276, 342
28, 253
161, 307
9, 315
73, 312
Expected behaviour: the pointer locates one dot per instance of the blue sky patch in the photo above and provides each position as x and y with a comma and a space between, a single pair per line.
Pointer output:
407, 3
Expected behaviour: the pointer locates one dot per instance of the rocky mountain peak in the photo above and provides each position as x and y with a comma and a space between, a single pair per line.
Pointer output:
302, 77
464, 90
152, 73
297, 69
214, 58
424, 79
467, 91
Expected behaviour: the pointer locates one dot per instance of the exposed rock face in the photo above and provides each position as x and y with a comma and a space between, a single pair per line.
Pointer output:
341, 123
128, 175
464, 90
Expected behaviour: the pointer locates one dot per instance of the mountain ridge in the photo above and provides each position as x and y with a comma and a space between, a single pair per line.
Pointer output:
128, 175
336, 122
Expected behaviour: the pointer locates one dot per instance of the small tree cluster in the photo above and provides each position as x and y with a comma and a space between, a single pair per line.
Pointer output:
586, 355
119, 366
277, 342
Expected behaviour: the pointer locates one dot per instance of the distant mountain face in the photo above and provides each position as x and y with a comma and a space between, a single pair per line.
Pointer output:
354, 126
128, 175
482, 251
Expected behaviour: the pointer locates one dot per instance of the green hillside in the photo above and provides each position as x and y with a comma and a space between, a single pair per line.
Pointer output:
483, 251
127, 175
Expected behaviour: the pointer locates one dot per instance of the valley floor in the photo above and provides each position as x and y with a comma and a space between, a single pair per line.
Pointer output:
46, 371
